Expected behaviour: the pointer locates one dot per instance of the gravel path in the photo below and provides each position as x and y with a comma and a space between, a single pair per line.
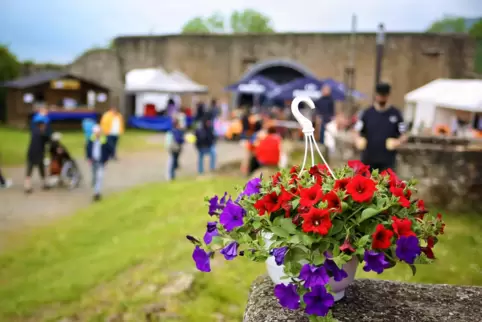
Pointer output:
19, 210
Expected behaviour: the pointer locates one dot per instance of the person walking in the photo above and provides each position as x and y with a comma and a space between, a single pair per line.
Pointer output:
99, 151
112, 124
174, 143
379, 131
205, 144
4, 183
87, 126
39, 138
325, 111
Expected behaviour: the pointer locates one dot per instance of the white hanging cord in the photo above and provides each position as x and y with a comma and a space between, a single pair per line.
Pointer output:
308, 131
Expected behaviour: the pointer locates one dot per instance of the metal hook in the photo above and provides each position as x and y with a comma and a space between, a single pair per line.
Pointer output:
308, 131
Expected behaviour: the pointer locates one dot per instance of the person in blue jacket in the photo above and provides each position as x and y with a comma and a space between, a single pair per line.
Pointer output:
174, 142
87, 126
98, 153
41, 116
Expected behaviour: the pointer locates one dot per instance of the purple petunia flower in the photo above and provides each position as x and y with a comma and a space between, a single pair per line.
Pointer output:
287, 296
216, 205
314, 275
318, 301
232, 216
230, 251
279, 255
252, 187
337, 273
408, 248
211, 231
375, 261
201, 258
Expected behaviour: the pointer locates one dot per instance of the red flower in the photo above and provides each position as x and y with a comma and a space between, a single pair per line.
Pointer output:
311, 196
275, 179
361, 188
316, 221
382, 237
421, 205
284, 201
442, 228
267, 204
334, 203
402, 227
347, 247
294, 169
317, 172
341, 184
359, 167
427, 250
402, 200
394, 180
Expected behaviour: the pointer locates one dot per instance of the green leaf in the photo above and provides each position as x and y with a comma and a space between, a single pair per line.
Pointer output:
295, 203
337, 227
278, 231
288, 225
414, 269
294, 255
295, 239
368, 213
307, 240
257, 225
217, 240
344, 206
363, 241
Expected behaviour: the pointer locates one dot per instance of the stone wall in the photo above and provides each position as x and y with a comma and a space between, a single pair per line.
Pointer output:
101, 66
411, 60
449, 172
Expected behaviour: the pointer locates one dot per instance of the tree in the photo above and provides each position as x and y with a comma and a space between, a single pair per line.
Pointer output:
9, 64
449, 24
245, 21
250, 21
9, 69
476, 30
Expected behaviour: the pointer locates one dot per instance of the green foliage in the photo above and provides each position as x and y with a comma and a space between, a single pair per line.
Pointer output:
9, 70
448, 24
246, 21
476, 30
250, 21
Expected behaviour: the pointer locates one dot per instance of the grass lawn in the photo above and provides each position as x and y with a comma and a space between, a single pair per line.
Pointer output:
115, 256
14, 143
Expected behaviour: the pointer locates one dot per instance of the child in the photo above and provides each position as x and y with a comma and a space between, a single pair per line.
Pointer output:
36, 153
174, 142
98, 153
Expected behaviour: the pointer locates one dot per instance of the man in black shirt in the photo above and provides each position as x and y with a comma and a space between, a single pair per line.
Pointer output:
380, 131
325, 111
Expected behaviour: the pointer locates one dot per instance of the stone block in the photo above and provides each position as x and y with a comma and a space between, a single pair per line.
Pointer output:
377, 301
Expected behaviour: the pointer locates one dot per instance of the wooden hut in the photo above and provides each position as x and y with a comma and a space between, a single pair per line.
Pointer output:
68, 98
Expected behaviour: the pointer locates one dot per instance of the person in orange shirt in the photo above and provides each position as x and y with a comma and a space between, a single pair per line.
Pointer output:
112, 124
267, 152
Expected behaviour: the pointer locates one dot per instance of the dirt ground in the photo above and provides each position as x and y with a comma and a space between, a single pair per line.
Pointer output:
20, 210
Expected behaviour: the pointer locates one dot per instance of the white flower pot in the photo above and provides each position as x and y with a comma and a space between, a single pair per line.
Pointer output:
276, 272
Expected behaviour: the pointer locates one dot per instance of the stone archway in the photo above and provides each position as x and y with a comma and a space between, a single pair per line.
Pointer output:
280, 71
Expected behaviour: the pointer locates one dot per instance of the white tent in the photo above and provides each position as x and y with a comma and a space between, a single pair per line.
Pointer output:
152, 80
192, 86
439, 101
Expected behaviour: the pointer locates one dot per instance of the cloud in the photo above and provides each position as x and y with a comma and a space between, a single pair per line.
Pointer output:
59, 30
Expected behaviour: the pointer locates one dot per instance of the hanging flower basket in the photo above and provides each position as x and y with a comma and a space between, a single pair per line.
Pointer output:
314, 227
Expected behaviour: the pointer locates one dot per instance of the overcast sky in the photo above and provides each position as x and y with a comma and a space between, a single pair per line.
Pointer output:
60, 30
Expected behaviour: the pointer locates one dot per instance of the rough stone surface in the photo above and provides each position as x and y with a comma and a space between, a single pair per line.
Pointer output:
377, 301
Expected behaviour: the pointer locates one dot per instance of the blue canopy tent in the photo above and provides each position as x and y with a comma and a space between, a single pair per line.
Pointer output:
338, 90
306, 86
255, 87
